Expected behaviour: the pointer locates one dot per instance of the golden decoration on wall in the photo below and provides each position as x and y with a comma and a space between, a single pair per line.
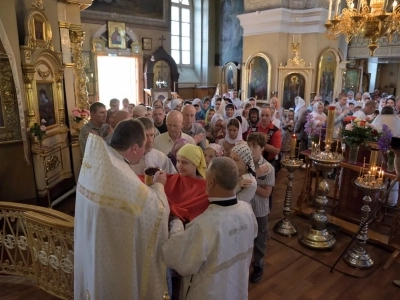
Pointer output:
295, 78
52, 162
77, 36
9, 117
44, 74
38, 27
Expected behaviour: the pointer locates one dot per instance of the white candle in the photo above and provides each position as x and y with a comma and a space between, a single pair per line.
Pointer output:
330, 10
337, 7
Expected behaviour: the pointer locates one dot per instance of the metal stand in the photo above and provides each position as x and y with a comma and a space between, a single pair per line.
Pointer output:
285, 226
317, 236
357, 256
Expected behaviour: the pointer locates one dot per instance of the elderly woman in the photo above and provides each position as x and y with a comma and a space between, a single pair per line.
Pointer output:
190, 162
176, 104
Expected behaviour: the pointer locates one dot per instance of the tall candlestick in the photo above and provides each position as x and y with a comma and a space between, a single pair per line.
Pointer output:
329, 125
329, 11
293, 147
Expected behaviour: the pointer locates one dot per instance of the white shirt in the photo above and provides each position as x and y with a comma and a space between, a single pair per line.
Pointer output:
214, 252
164, 143
154, 158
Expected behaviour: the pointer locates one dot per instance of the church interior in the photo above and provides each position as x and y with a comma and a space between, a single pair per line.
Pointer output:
57, 57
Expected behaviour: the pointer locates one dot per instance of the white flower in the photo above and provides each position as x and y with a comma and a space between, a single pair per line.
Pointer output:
43, 121
43, 128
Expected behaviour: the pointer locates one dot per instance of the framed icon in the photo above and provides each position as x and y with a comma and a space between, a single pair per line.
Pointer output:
146, 44
116, 35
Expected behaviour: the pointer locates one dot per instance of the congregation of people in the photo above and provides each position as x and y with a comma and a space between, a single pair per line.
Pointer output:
230, 149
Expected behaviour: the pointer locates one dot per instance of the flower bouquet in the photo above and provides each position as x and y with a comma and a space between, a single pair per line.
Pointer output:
38, 131
384, 140
79, 114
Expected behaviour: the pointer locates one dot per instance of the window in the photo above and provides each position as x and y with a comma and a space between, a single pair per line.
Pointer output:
180, 31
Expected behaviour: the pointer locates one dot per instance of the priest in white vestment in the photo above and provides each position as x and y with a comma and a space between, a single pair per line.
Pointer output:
214, 251
120, 223
152, 157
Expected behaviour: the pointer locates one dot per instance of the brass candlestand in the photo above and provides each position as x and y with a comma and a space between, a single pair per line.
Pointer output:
357, 256
285, 226
317, 236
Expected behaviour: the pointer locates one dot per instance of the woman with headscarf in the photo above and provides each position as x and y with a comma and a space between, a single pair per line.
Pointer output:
217, 129
205, 106
176, 104
179, 143
274, 102
247, 185
319, 117
253, 101
233, 136
212, 151
190, 162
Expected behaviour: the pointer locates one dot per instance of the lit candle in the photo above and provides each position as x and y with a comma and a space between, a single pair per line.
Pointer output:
369, 176
293, 147
383, 173
329, 11
329, 124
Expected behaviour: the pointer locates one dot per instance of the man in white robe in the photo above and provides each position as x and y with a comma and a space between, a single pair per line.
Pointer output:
214, 251
152, 157
120, 223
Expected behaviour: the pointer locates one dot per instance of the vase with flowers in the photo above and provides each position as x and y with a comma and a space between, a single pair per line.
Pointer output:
79, 116
38, 131
355, 133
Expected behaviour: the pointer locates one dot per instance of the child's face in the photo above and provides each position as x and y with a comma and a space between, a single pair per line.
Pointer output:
253, 117
255, 150
291, 115
209, 154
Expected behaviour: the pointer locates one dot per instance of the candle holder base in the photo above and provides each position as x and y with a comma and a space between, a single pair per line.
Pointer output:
358, 257
285, 228
317, 239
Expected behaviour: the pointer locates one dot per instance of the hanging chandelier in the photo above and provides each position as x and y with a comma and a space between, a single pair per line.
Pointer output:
368, 20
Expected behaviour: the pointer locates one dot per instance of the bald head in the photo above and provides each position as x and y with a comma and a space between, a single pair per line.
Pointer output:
174, 124
139, 111
121, 115
224, 173
188, 113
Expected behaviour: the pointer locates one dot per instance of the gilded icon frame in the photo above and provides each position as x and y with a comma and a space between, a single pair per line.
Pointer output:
116, 35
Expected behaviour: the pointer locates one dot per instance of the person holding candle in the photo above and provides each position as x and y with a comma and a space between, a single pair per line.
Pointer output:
364, 114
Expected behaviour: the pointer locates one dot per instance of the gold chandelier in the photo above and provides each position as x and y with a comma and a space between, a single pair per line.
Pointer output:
370, 21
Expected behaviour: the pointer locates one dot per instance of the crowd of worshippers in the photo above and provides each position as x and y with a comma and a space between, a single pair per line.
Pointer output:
185, 137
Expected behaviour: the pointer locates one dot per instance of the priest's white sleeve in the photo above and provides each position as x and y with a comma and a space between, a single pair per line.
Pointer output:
185, 252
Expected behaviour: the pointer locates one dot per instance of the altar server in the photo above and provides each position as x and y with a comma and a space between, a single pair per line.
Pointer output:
213, 252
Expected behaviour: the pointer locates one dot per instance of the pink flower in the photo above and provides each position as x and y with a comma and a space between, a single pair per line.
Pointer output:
43, 128
349, 126
76, 113
75, 109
